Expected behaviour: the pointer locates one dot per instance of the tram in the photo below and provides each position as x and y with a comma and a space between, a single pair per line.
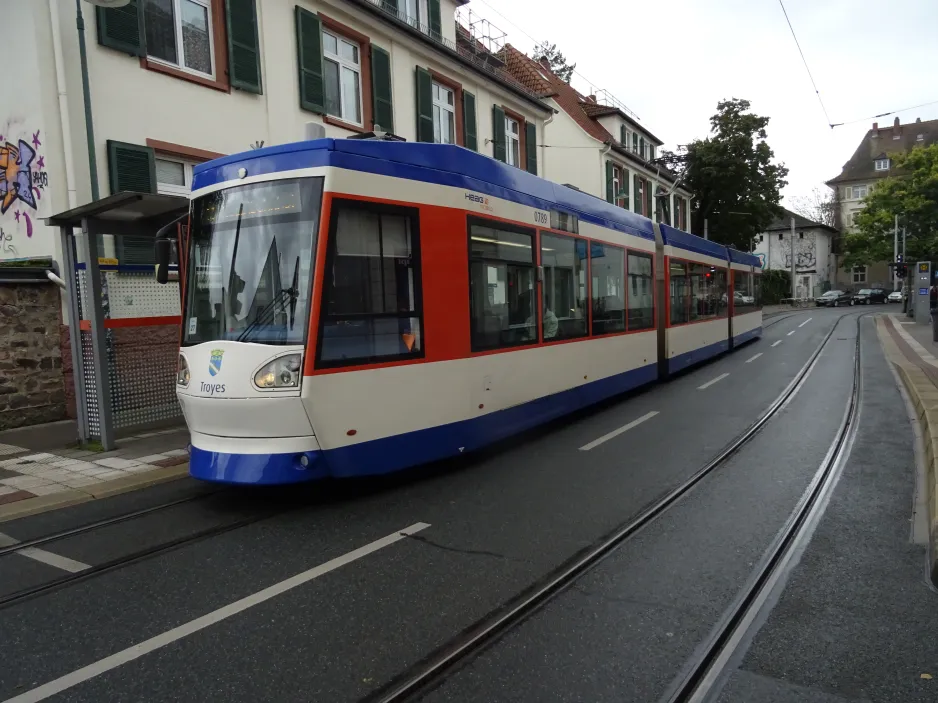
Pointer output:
359, 306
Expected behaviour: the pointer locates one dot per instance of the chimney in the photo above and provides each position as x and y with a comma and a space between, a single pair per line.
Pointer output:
545, 63
918, 120
896, 129
591, 98
875, 126
875, 134
896, 122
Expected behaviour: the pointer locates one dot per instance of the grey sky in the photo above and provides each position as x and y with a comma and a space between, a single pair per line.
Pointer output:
866, 57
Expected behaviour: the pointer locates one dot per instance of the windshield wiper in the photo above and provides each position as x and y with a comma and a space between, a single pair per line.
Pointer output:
285, 296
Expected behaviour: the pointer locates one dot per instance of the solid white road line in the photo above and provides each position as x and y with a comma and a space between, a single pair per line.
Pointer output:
615, 433
775, 344
78, 676
806, 322
45, 557
712, 381
791, 333
753, 358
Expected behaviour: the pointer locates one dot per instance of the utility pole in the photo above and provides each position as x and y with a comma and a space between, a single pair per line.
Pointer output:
792, 258
895, 254
908, 279
706, 231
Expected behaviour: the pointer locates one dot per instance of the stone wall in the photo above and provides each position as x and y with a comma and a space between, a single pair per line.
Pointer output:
32, 389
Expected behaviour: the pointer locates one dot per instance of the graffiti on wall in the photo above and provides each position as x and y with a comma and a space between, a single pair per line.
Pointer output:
805, 252
23, 184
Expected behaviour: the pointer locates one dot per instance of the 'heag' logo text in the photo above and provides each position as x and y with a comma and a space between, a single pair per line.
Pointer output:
480, 200
212, 388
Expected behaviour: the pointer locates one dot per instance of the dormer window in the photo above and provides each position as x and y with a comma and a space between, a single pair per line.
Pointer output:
881, 164
920, 138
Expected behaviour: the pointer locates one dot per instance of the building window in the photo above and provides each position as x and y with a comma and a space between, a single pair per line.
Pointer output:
651, 152
418, 16
800, 235
607, 266
502, 296
859, 274
781, 236
179, 33
371, 302
920, 138
881, 164
641, 298
173, 176
512, 142
342, 77
641, 147
858, 192
444, 114
635, 142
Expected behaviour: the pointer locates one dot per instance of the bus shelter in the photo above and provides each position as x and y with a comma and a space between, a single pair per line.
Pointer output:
123, 325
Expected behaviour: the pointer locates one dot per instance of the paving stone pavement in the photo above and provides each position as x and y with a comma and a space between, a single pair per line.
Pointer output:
26, 473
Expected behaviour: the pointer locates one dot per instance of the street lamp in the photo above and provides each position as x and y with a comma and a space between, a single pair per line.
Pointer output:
86, 91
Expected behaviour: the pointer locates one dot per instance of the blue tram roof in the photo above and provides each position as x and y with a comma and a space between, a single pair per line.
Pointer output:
443, 164
689, 242
741, 257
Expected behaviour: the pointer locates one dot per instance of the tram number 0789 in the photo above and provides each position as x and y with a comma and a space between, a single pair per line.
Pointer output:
541, 218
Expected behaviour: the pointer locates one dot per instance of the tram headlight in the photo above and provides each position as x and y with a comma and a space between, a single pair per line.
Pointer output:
182, 372
280, 373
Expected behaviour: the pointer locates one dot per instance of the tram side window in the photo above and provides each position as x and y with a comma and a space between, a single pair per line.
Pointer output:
564, 291
757, 289
607, 265
680, 293
502, 299
371, 301
641, 292
707, 292
743, 299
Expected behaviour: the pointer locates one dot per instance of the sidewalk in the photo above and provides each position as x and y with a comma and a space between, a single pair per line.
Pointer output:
36, 475
910, 347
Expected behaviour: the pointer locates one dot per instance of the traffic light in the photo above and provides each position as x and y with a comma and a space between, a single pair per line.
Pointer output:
900, 266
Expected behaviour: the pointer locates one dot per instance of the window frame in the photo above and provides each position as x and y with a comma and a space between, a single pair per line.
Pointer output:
533, 232
179, 42
630, 251
625, 288
358, 69
540, 279
413, 214
436, 85
687, 263
509, 137
170, 189
859, 274
881, 164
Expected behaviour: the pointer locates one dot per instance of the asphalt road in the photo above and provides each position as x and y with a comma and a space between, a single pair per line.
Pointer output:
498, 522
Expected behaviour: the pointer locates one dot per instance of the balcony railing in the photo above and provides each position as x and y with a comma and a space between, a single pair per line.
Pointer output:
604, 97
468, 54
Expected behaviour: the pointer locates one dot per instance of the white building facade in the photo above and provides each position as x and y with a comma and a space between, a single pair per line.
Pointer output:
177, 82
813, 244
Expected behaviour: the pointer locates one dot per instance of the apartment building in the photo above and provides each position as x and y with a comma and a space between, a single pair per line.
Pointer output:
873, 160
176, 82
595, 144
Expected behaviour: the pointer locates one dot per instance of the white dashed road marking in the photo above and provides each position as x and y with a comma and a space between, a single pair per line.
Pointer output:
753, 358
615, 433
791, 333
56, 560
63, 683
775, 344
806, 322
712, 381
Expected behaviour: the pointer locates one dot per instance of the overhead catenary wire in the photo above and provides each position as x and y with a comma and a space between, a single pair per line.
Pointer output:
805, 61
884, 114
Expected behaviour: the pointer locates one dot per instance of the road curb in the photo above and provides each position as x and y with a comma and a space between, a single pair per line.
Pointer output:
105, 489
924, 396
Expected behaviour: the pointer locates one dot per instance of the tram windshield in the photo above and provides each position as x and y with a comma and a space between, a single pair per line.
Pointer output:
250, 264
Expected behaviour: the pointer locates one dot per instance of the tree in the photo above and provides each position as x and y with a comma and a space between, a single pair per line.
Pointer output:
736, 186
558, 63
913, 195
817, 207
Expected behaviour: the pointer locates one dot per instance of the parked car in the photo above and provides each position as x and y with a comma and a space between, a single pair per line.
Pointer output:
895, 297
869, 296
834, 298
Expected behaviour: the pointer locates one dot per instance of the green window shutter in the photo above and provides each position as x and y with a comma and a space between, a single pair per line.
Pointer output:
498, 133
610, 186
641, 147
470, 138
634, 142
623, 135
637, 192
309, 61
381, 88
530, 146
244, 56
121, 28
435, 19
649, 200
424, 105
131, 167
625, 189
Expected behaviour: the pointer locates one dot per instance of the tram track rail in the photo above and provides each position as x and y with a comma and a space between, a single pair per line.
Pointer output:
432, 670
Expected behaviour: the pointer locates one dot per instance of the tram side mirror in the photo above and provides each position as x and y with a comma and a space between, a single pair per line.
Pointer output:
162, 249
